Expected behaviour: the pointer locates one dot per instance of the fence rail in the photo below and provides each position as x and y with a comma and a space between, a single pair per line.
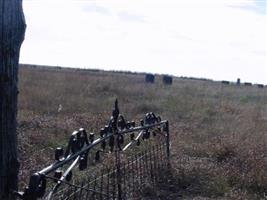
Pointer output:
104, 167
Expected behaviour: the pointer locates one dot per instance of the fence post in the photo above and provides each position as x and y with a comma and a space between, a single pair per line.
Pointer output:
12, 29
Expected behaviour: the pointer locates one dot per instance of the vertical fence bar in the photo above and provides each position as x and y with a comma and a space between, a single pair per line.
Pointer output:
114, 184
160, 156
107, 191
75, 193
133, 174
118, 166
168, 141
81, 191
66, 196
124, 180
101, 186
128, 183
88, 187
151, 166
158, 161
146, 166
161, 146
136, 168
124, 183
155, 162
141, 167
94, 194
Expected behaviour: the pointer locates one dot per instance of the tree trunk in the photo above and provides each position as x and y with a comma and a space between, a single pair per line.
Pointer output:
12, 30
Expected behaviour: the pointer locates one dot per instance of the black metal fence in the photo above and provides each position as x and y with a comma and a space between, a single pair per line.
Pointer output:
104, 168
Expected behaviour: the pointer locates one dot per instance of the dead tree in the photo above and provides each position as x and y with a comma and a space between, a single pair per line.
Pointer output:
12, 30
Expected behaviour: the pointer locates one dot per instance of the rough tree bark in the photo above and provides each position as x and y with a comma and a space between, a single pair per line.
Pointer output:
12, 30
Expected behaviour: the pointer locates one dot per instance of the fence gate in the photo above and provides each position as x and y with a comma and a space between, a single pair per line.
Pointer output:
119, 164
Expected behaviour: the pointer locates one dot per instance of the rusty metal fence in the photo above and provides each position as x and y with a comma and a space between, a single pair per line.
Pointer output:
105, 167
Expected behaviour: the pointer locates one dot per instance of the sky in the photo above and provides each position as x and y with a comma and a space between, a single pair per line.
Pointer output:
216, 39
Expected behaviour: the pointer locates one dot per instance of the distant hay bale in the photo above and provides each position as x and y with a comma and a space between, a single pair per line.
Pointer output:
167, 80
226, 82
248, 84
260, 85
150, 78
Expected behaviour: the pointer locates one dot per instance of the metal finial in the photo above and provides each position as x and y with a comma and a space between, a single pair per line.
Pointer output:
116, 111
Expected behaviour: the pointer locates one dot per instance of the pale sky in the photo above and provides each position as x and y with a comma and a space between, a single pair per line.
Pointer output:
217, 39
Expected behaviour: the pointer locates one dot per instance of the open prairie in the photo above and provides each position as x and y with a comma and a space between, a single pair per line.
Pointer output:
218, 131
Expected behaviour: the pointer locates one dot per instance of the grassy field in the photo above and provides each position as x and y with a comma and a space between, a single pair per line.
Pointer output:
218, 132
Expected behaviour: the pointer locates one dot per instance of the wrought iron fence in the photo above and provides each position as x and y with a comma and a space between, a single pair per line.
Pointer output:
102, 168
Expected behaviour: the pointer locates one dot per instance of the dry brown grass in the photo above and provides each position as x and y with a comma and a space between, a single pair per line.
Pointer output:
219, 132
